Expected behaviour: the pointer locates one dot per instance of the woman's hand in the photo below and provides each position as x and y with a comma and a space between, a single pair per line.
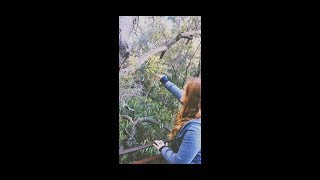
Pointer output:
159, 144
160, 76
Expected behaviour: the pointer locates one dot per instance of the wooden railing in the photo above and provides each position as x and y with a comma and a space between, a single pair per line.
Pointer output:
134, 149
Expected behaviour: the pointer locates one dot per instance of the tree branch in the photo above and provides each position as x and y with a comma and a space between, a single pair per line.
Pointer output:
162, 54
186, 73
133, 132
142, 59
150, 120
127, 118
124, 60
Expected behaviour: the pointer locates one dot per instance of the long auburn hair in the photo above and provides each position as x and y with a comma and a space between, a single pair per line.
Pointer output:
190, 106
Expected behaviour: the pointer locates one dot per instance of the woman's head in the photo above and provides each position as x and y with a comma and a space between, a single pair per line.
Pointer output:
191, 96
191, 104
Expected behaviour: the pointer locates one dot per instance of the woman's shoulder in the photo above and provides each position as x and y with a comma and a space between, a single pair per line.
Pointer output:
192, 124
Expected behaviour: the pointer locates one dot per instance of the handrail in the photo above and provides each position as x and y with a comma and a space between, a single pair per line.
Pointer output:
147, 160
134, 149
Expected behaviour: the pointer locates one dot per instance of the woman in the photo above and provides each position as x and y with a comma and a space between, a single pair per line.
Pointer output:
186, 133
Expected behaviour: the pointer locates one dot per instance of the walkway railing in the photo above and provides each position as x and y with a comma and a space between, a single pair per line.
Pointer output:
134, 149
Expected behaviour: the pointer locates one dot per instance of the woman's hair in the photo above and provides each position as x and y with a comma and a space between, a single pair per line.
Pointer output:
190, 107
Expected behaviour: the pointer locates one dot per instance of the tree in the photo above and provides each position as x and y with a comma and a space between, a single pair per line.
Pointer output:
150, 45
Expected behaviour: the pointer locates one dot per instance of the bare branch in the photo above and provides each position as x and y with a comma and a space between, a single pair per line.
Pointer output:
162, 54
142, 59
188, 41
127, 118
134, 21
150, 120
123, 61
128, 133
138, 122
186, 73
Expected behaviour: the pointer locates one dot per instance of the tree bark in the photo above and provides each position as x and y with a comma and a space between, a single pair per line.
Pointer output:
126, 25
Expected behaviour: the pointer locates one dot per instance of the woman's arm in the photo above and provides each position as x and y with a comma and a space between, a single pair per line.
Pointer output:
175, 91
189, 148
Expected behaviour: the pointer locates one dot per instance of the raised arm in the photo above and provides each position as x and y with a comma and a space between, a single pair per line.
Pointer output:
175, 91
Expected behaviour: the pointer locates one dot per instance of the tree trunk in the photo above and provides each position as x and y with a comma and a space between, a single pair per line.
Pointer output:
125, 28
